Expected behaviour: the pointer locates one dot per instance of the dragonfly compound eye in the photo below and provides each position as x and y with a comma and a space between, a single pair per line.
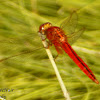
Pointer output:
44, 27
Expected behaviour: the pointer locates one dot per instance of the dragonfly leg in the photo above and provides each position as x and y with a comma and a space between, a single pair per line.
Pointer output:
56, 57
46, 47
44, 39
48, 44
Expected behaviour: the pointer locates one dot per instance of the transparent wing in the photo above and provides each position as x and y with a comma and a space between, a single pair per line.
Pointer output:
73, 37
25, 52
70, 23
19, 46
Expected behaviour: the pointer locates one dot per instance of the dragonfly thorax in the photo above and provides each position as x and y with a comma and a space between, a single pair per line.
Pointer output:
44, 27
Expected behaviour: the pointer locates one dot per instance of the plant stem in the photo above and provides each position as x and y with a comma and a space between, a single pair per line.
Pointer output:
66, 95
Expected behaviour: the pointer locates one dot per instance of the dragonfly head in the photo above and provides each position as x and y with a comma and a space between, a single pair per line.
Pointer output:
44, 27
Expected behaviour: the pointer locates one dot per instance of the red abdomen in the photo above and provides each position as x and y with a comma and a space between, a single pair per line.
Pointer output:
80, 63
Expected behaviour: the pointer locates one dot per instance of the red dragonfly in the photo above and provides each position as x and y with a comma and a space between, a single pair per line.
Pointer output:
57, 37
62, 41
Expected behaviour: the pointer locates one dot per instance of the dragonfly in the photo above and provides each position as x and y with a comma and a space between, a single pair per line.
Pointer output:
62, 41
62, 38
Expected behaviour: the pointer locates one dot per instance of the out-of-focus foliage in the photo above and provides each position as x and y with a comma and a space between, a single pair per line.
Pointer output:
31, 75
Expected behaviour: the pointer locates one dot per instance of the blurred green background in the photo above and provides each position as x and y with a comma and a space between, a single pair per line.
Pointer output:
31, 75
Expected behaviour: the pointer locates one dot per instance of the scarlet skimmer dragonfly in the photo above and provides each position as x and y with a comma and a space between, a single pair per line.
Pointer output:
57, 36
62, 37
